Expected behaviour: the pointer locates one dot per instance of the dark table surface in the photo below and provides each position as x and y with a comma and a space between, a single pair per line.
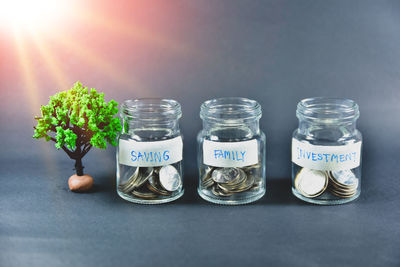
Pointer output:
276, 52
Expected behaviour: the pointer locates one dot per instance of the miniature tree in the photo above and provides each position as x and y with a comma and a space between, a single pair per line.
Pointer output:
77, 120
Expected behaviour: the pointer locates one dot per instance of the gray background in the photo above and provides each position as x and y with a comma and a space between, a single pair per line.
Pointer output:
276, 52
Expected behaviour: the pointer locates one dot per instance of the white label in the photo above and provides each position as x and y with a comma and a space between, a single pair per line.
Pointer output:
230, 154
326, 157
150, 154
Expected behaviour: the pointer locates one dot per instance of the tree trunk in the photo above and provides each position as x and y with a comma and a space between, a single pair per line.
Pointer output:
78, 166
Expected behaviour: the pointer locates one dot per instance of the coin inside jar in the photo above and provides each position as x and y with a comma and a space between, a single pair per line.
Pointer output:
343, 183
170, 178
227, 181
144, 195
207, 181
225, 175
345, 177
220, 192
311, 183
145, 174
239, 184
155, 186
130, 184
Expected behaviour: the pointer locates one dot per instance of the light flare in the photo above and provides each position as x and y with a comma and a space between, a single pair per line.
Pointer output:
96, 61
52, 64
31, 89
30, 84
38, 14
132, 32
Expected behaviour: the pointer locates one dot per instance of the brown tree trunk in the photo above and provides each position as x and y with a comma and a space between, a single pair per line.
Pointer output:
79, 167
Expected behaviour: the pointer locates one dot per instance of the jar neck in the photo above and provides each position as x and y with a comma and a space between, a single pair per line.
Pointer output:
231, 117
237, 129
327, 118
151, 117
132, 125
330, 131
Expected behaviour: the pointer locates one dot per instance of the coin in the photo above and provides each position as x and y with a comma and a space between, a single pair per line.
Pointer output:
206, 181
239, 184
129, 185
224, 175
157, 170
219, 192
311, 183
343, 183
231, 180
252, 168
145, 195
247, 184
170, 178
224, 182
144, 176
345, 177
342, 194
239, 179
155, 186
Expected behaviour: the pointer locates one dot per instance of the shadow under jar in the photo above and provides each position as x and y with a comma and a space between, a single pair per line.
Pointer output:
326, 151
231, 151
149, 154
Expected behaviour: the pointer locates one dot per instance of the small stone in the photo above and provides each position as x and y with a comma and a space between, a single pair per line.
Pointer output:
80, 183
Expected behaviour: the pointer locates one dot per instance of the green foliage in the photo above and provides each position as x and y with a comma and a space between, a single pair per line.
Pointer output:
78, 119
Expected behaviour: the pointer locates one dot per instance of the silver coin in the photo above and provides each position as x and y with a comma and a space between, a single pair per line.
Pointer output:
345, 177
311, 183
207, 174
248, 183
225, 175
341, 194
252, 168
129, 185
235, 183
170, 178
157, 170
144, 195
220, 192
342, 188
155, 186
244, 185
144, 176
239, 179
206, 180
343, 184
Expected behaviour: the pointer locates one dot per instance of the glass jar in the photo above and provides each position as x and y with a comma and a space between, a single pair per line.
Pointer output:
231, 152
326, 151
149, 153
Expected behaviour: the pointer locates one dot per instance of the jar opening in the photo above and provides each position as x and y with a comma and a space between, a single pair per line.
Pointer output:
230, 109
151, 109
328, 110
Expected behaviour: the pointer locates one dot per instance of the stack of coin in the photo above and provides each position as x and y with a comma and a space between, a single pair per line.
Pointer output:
207, 181
150, 183
343, 183
225, 182
311, 183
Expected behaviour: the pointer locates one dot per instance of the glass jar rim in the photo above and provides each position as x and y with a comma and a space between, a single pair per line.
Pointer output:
151, 108
229, 109
328, 109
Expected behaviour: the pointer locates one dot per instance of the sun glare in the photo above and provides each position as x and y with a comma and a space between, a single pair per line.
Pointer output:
45, 31
32, 14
